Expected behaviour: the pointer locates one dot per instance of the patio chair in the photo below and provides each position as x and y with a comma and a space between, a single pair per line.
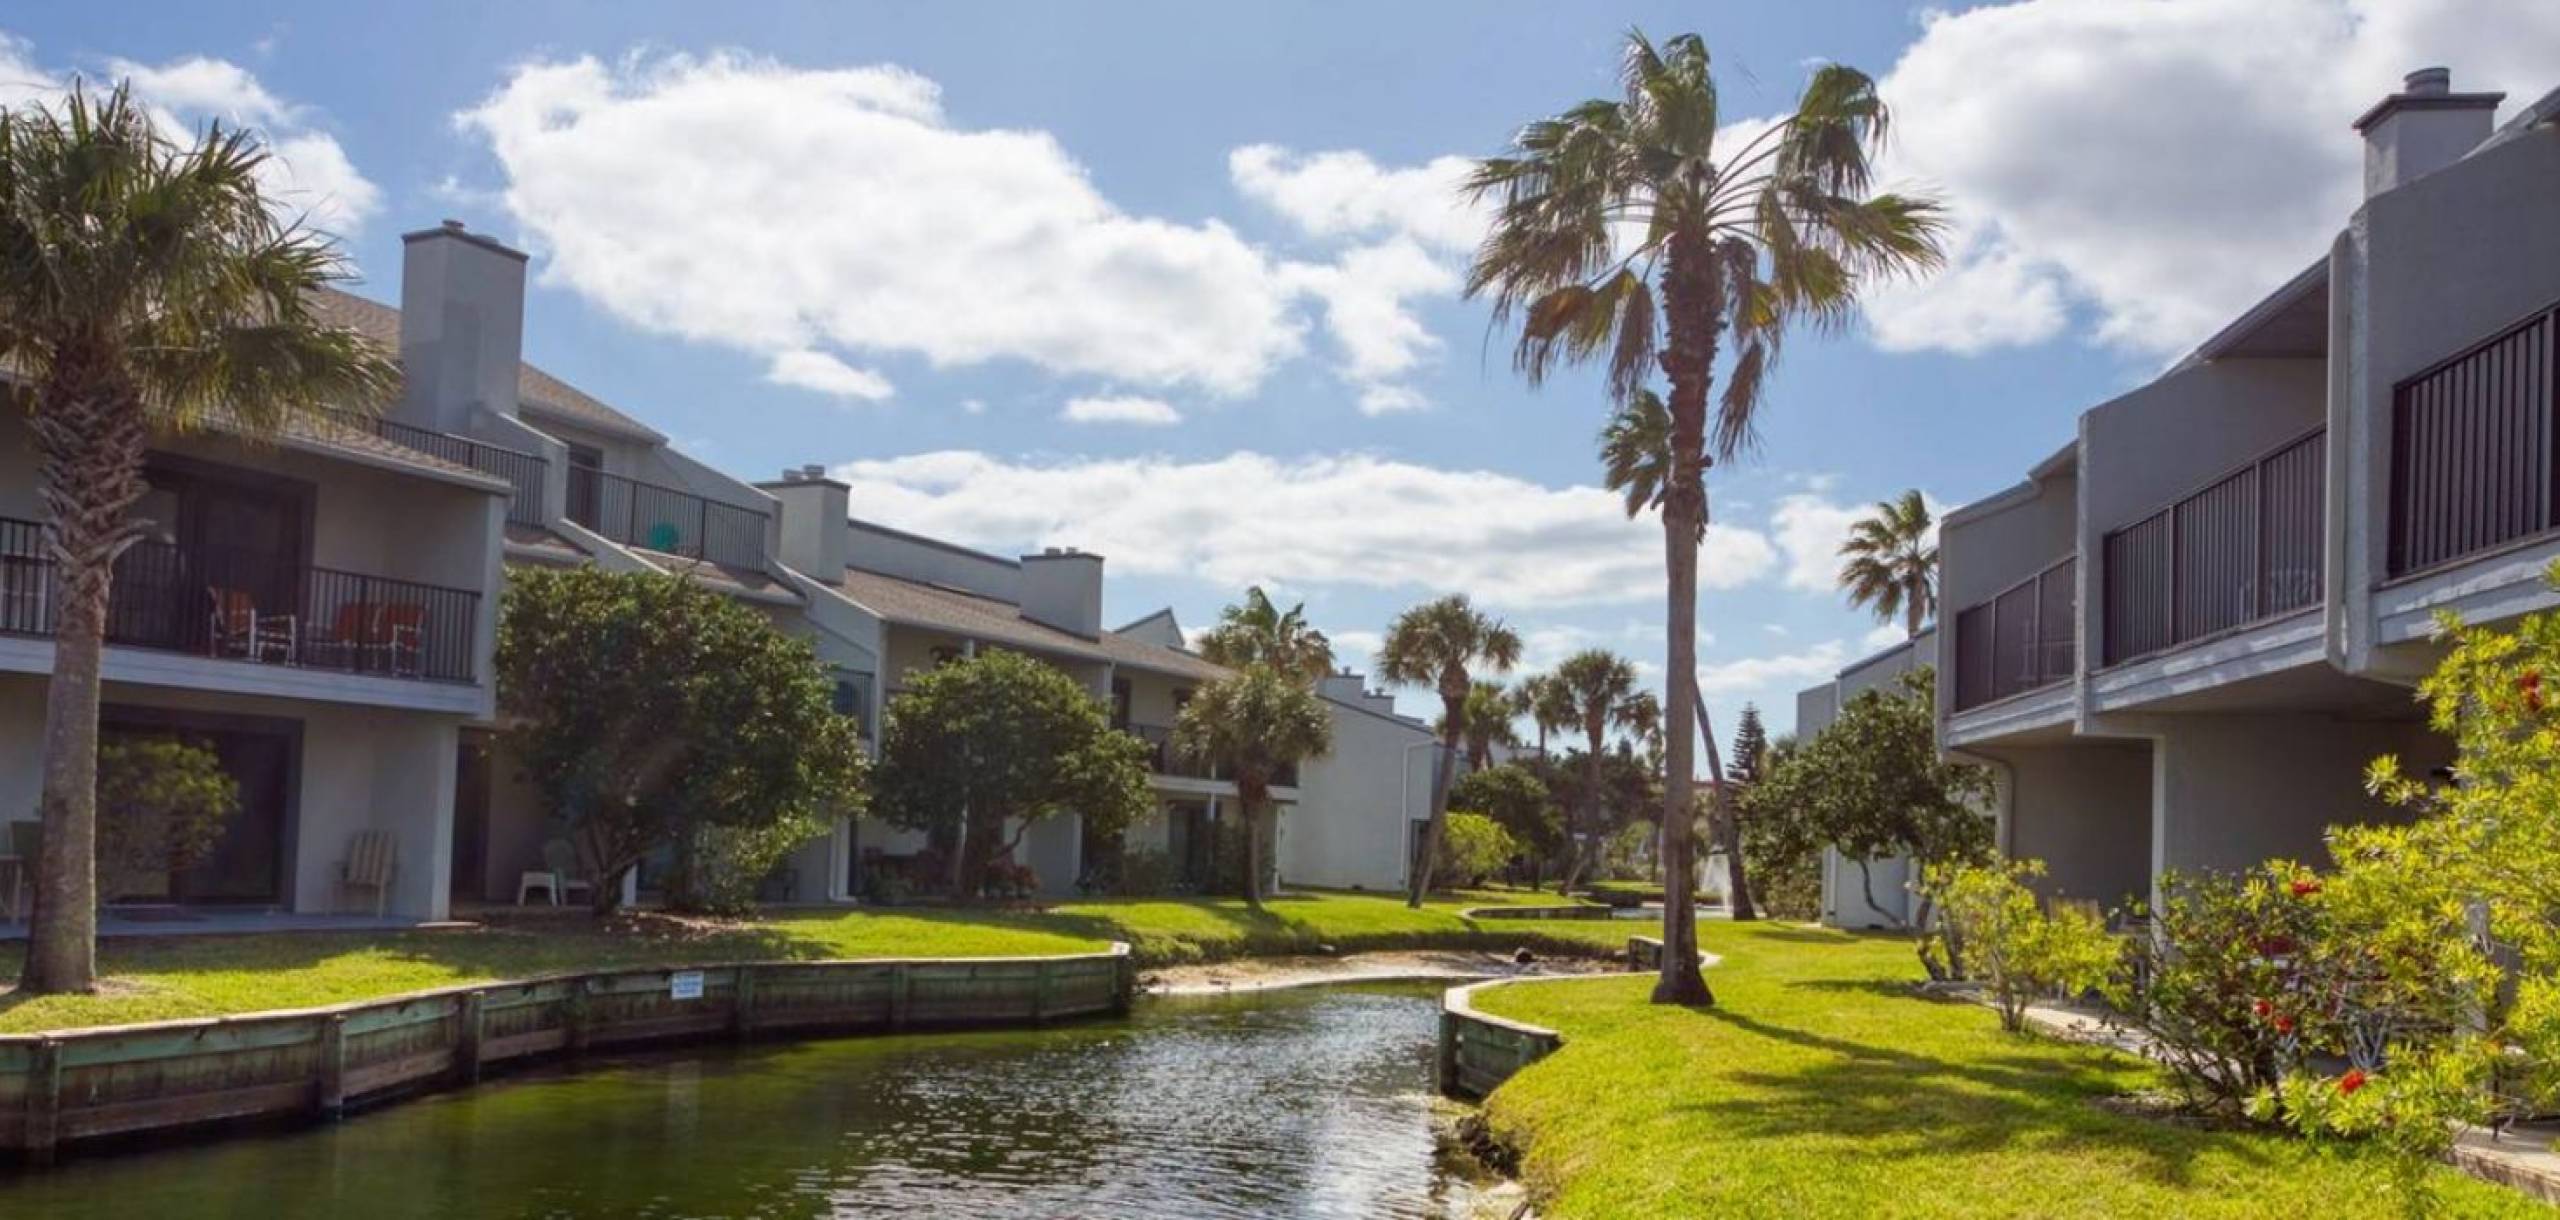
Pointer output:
342, 642
373, 859
562, 860
239, 629
399, 636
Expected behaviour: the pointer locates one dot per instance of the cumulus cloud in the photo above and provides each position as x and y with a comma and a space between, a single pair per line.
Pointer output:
2159, 166
1120, 409
1352, 519
1784, 671
1882, 635
307, 174
788, 207
810, 369
1345, 194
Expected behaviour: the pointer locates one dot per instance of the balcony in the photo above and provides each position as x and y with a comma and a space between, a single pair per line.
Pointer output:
252, 607
526, 472
2019, 640
666, 520
2472, 449
1163, 759
2244, 549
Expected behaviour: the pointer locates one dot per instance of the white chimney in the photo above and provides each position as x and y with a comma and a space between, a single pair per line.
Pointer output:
1062, 587
2421, 129
461, 326
1344, 687
816, 540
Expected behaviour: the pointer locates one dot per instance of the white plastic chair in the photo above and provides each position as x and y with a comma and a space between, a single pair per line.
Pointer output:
372, 861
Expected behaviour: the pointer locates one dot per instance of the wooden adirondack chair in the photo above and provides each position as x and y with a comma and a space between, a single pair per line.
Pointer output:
373, 859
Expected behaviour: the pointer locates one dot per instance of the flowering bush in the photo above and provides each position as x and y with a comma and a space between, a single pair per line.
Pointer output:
2019, 949
2229, 982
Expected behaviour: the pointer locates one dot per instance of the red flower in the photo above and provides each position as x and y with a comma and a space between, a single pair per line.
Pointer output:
2531, 686
2275, 946
2284, 1025
2304, 887
2261, 1008
2352, 1081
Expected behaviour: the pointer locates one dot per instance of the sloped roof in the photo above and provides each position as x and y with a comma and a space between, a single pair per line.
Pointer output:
917, 604
539, 391
332, 436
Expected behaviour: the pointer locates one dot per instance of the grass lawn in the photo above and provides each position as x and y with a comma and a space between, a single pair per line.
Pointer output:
163, 977
1822, 1086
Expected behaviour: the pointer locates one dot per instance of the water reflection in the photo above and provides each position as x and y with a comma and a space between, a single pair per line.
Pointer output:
1287, 1104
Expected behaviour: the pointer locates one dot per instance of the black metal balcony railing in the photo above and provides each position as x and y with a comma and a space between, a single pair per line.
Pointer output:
2020, 640
2473, 444
1163, 759
525, 472
664, 519
2245, 548
249, 606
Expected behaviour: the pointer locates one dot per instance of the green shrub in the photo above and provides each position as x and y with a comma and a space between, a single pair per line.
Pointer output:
161, 806
2019, 949
1472, 848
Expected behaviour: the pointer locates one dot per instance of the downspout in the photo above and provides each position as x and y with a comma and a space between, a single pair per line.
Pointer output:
1404, 805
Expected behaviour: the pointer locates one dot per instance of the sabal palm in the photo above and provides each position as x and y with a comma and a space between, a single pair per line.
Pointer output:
1437, 645
1255, 724
1721, 248
1890, 563
1258, 632
1486, 721
146, 290
1599, 689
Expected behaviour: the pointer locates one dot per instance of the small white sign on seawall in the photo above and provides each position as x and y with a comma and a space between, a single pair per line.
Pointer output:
684, 985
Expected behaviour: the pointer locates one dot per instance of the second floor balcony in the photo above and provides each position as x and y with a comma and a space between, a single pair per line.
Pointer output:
246, 605
2245, 548
2018, 641
667, 520
525, 472
1164, 759
2474, 443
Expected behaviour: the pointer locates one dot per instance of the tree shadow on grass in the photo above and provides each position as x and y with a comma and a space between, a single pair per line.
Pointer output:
1894, 1103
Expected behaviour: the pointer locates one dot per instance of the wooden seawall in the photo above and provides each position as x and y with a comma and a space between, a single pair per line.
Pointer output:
70, 1085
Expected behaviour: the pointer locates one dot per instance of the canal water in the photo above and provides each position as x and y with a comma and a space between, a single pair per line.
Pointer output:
1303, 1103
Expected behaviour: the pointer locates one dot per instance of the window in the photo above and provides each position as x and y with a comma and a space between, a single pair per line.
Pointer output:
853, 698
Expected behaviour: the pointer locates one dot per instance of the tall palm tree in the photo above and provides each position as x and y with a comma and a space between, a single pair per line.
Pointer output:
1260, 633
1599, 687
1890, 563
1720, 247
146, 290
1255, 724
1540, 698
1486, 722
1436, 644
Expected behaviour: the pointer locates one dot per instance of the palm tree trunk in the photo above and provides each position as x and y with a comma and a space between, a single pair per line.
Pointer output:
90, 435
1911, 611
1693, 319
1252, 798
1440, 770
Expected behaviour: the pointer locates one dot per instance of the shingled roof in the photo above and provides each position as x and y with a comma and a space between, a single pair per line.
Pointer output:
539, 391
974, 616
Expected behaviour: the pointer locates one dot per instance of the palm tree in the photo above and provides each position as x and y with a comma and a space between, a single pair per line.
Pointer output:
1546, 704
1599, 687
145, 291
1716, 251
1255, 724
1434, 645
1890, 562
1485, 722
1260, 633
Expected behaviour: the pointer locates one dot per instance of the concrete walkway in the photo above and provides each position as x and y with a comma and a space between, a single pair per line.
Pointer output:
215, 921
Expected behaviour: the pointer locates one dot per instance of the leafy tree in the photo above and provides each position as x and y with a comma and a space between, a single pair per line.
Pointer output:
1255, 724
1602, 802
1477, 848
1260, 633
1486, 722
651, 712
1623, 233
1890, 562
1518, 801
1599, 687
2019, 949
977, 751
162, 803
1874, 784
146, 291
1729, 810
1784, 853
1436, 644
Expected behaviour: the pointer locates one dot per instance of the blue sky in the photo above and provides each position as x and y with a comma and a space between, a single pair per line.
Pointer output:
904, 241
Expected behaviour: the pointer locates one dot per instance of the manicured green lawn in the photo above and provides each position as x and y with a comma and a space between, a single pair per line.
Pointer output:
159, 978
1822, 1086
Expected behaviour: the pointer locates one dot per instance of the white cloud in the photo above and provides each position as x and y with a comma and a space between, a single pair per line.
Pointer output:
973, 406
1345, 194
1367, 295
788, 207
1783, 671
1883, 635
1352, 519
1356, 648
1809, 527
2160, 165
1121, 409
810, 369
307, 175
